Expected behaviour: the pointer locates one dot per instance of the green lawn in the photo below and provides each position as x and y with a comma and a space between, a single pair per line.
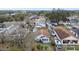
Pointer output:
66, 48
43, 47
77, 47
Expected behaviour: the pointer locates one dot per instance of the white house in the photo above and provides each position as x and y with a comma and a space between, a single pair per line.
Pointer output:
66, 37
70, 41
73, 19
41, 22
75, 31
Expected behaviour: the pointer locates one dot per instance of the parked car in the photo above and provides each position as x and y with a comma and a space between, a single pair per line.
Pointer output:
58, 43
43, 39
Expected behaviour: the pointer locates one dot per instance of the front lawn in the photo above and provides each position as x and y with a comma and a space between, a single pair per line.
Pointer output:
75, 47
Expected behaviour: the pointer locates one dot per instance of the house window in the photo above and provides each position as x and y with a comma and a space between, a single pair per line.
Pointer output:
66, 41
74, 41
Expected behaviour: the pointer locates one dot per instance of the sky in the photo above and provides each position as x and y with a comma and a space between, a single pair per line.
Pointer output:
38, 4
38, 8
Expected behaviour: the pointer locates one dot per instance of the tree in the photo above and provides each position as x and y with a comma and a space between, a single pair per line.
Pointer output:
19, 16
59, 15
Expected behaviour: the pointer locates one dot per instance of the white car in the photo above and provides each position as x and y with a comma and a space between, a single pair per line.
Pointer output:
58, 43
43, 39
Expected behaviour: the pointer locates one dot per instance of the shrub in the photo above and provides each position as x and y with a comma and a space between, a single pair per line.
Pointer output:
46, 47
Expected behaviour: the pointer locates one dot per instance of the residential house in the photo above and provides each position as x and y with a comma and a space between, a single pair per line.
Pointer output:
42, 35
41, 22
65, 37
33, 17
73, 20
70, 41
53, 22
75, 31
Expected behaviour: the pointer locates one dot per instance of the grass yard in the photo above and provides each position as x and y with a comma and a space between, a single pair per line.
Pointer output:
68, 48
42, 47
77, 47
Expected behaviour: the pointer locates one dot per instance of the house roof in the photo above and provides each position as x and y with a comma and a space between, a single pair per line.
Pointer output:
33, 17
70, 38
62, 33
53, 21
40, 19
76, 26
74, 21
43, 31
76, 30
72, 17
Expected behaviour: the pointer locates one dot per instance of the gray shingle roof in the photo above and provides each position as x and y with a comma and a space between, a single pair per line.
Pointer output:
76, 31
